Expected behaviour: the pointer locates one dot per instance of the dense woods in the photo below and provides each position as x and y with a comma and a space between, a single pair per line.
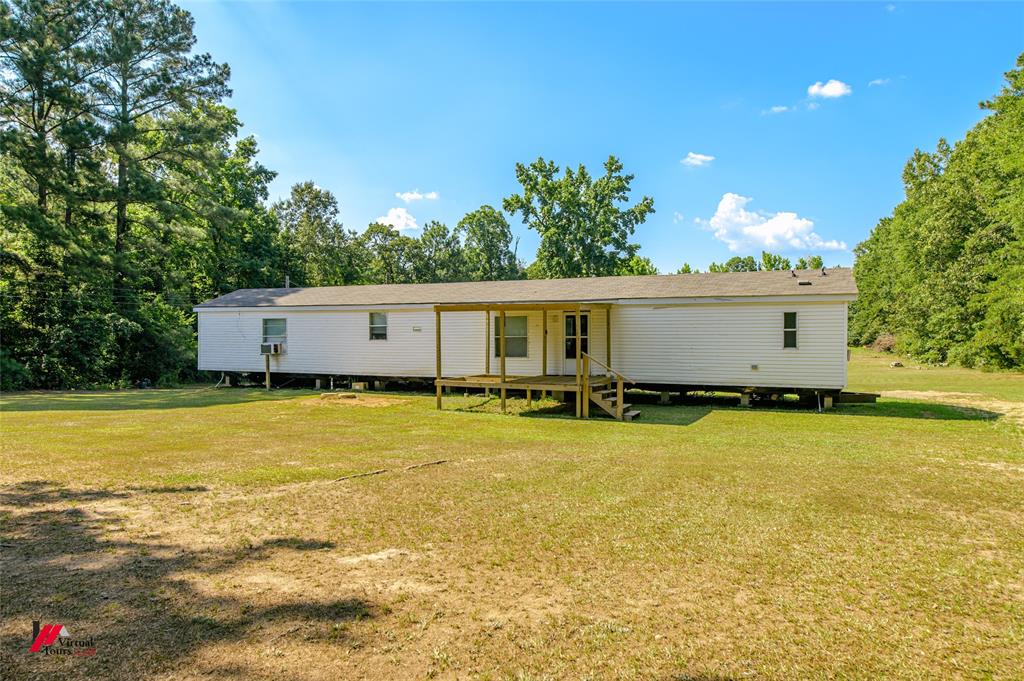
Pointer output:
942, 278
128, 194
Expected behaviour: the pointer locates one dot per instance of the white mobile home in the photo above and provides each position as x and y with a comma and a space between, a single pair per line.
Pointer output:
745, 332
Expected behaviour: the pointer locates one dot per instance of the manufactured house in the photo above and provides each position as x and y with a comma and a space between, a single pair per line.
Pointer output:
745, 332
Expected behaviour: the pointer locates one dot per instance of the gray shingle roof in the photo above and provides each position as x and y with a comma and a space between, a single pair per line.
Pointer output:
835, 281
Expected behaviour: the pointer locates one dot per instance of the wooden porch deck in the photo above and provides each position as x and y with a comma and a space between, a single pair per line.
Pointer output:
586, 387
557, 383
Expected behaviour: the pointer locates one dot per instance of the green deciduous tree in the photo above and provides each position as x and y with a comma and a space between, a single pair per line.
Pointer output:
812, 262
488, 243
943, 273
767, 263
583, 223
772, 262
636, 265
316, 249
735, 264
392, 256
440, 256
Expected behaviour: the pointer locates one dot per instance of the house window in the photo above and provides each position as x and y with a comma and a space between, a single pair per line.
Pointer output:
275, 330
378, 326
789, 329
515, 337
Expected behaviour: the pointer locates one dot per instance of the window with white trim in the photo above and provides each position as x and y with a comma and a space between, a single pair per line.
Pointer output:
789, 329
378, 326
275, 330
516, 342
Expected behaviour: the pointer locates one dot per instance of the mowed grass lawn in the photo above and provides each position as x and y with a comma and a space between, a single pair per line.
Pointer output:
206, 533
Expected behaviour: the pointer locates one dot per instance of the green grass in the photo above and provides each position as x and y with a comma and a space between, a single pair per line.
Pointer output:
703, 541
870, 371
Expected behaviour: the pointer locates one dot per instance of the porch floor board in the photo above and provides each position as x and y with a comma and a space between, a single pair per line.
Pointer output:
519, 382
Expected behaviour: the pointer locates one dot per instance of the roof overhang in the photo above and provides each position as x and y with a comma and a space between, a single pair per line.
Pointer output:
546, 305
520, 307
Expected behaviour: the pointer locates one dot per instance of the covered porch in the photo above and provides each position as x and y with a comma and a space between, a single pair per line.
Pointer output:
591, 380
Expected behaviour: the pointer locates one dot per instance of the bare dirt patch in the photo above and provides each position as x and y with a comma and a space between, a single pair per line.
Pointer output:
352, 400
372, 557
1013, 411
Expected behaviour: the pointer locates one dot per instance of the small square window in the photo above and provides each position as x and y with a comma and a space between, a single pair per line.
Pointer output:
378, 326
275, 330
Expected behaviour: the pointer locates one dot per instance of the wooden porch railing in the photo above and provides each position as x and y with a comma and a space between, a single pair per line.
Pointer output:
584, 385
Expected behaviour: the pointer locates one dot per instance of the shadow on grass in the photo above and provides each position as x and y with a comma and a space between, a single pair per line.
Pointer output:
124, 400
64, 563
684, 411
550, 409
656, 413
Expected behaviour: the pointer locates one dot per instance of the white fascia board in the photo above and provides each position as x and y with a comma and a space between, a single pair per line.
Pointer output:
732, 300
646, 302
312, 308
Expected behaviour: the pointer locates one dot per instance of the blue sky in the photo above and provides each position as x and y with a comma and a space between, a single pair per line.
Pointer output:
375, 100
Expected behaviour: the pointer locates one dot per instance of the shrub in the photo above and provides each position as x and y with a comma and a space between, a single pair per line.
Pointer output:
884, 343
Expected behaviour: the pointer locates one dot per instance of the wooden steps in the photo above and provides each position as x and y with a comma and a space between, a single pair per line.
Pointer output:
608, 401
606, 391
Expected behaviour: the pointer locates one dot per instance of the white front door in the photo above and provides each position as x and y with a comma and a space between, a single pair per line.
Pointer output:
569, 340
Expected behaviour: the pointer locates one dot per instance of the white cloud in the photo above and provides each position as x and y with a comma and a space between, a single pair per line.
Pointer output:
677, 217
879, 81
398, 218
830, 90
813, 105
416, 195
743, 230
777, 109
890, 7
697, 160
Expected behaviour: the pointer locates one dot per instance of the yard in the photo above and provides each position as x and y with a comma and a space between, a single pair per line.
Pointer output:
203, 533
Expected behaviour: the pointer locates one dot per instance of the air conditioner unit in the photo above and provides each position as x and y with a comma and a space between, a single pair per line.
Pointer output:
271, 348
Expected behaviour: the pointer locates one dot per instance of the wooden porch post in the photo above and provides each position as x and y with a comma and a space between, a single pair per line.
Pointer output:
608, 336
579, 351
487, 348
620, 395
267, 364
437, 352
544, 346
586, 386
544, 343
501, 340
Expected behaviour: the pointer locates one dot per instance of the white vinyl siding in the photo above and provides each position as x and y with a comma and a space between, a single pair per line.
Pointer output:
337, 342
695, 344
714, 344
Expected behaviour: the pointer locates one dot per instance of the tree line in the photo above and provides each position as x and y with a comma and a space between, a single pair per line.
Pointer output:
127, 195
767, 263
942, 278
